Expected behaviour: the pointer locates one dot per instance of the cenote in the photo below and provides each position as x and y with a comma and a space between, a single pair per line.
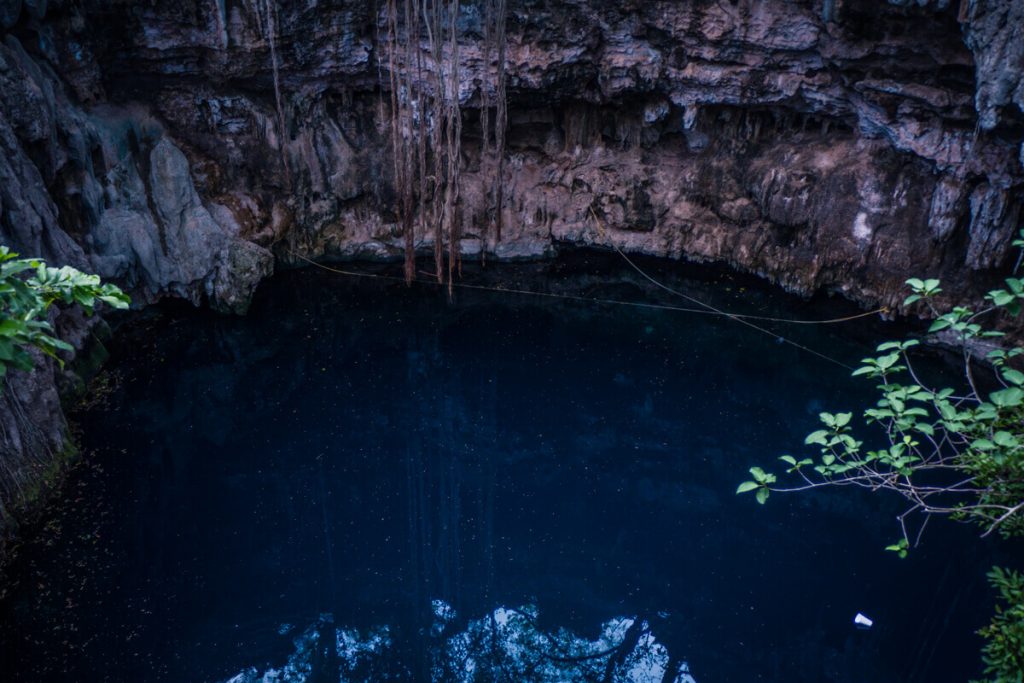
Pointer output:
361, 480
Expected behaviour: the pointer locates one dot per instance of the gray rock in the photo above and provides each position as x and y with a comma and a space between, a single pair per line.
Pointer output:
946, 207
995, 218
995, 34
240, 268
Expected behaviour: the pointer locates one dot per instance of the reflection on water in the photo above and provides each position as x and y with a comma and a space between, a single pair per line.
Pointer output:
360, 450
508, 644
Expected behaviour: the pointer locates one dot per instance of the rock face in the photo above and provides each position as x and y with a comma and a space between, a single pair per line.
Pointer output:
836, 144
833, 144
824, 144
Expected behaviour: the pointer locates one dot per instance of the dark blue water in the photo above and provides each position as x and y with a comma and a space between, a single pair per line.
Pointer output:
360, 481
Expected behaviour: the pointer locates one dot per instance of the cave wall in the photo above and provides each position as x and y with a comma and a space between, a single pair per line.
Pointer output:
824, 144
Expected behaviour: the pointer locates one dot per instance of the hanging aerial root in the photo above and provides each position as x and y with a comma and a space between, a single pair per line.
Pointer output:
282, 124
426, 123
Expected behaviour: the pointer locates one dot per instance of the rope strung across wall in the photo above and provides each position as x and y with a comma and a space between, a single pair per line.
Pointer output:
711, 308
706, 309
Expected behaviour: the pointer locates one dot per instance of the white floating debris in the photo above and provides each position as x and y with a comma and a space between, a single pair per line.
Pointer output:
862, 621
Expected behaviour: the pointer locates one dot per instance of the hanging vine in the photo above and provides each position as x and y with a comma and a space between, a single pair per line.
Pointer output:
425, 79
493, 155
501, 116
485, 118
453, 125
435, 25
270, 9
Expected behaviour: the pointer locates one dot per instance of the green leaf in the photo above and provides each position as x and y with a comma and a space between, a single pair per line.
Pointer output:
746, 486
1007, 398
28, 287
1013, 376
788, 459
1005, 439
888, 361
818, 437
1000, 297
761, 495
900, 548
116, 301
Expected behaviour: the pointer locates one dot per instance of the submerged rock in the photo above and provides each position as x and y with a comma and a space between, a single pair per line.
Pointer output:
507, 641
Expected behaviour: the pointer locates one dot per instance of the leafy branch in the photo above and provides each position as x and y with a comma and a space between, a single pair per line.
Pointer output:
959, 454
28, 287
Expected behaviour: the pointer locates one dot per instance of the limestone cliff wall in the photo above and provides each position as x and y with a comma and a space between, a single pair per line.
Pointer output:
824, 144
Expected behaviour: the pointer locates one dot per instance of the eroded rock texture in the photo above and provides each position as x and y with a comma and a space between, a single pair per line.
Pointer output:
836, 144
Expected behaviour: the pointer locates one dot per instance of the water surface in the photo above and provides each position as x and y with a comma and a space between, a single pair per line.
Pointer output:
361, 481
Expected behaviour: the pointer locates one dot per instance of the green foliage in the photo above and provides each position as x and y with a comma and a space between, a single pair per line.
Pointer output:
1003, 653
762, 480
28, 287
957, 452
901, 547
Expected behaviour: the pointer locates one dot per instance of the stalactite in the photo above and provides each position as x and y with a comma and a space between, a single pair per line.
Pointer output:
255, 11
219, 16
380, 66
828, 11
579, 126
